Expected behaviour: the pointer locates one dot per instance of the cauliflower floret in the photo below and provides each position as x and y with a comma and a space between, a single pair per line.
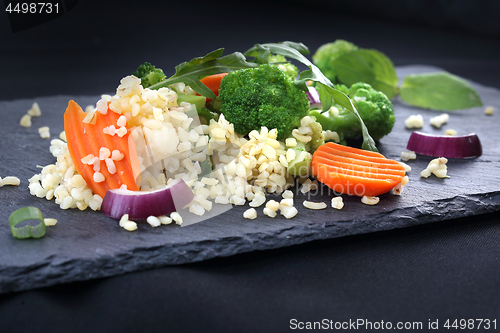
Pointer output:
437, 167
414, 121
440, 120
408, 155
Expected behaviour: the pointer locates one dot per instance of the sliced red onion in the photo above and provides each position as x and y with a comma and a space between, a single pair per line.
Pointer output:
139, 205
313, 96
445, 145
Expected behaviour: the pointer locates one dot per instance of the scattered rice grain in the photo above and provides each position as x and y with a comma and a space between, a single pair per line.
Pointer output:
314, 205
25, 121
450, 132
250, 213
269, 212
153, 221
337, 202
165, 219
11, 180
49, 222
35, 110
288, 212
177, 218
368, 200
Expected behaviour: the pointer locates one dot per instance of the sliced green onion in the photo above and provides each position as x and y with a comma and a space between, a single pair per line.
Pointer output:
28, 231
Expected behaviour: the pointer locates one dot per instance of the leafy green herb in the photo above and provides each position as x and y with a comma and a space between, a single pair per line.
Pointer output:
27, 231
347, 64
439, 91
372, 67
213, 63
296, 51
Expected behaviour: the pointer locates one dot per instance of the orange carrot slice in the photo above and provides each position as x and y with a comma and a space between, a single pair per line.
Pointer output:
355, 171
213, 82
86, 139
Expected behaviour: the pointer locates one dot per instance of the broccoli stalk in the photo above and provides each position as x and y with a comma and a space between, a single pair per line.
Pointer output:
373, 106
346, 124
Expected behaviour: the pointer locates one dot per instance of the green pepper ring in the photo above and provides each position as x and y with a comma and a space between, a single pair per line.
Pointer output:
28, 231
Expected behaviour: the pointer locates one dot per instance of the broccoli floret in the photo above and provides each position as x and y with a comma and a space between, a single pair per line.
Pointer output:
288, 68
262, 96
282, 63
373, 106
149, 74
327, 53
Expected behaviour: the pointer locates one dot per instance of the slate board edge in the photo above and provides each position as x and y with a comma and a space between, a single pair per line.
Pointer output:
45, 274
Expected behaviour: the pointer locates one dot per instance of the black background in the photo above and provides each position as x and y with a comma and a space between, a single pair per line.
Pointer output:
445, 270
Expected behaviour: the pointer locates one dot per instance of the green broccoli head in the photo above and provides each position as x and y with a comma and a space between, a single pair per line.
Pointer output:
373, 106
288, 68
149, 74
327, 53
262, 96
375, 109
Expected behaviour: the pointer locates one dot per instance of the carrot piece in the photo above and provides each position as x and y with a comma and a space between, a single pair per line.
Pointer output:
88, 138
355, 171
213, 82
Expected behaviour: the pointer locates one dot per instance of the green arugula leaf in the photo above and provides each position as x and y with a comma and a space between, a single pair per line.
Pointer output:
262, 54
369, 66
295, 51
438, 91
325, 98
213, 63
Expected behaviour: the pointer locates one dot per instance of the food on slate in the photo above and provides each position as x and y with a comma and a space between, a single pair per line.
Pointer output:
227, 130
10, 180
463, 146
101, 150
355, 171
29, 231
440, 120
437, 167
373, 106
140, 205
414, 121
346, 63
262, 96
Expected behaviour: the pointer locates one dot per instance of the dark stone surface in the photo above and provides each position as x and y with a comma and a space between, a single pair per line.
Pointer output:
87, 245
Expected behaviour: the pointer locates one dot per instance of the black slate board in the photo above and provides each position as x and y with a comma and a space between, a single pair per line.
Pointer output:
87, 245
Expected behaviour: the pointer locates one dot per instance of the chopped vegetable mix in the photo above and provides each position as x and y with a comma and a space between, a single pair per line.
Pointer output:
252, 117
